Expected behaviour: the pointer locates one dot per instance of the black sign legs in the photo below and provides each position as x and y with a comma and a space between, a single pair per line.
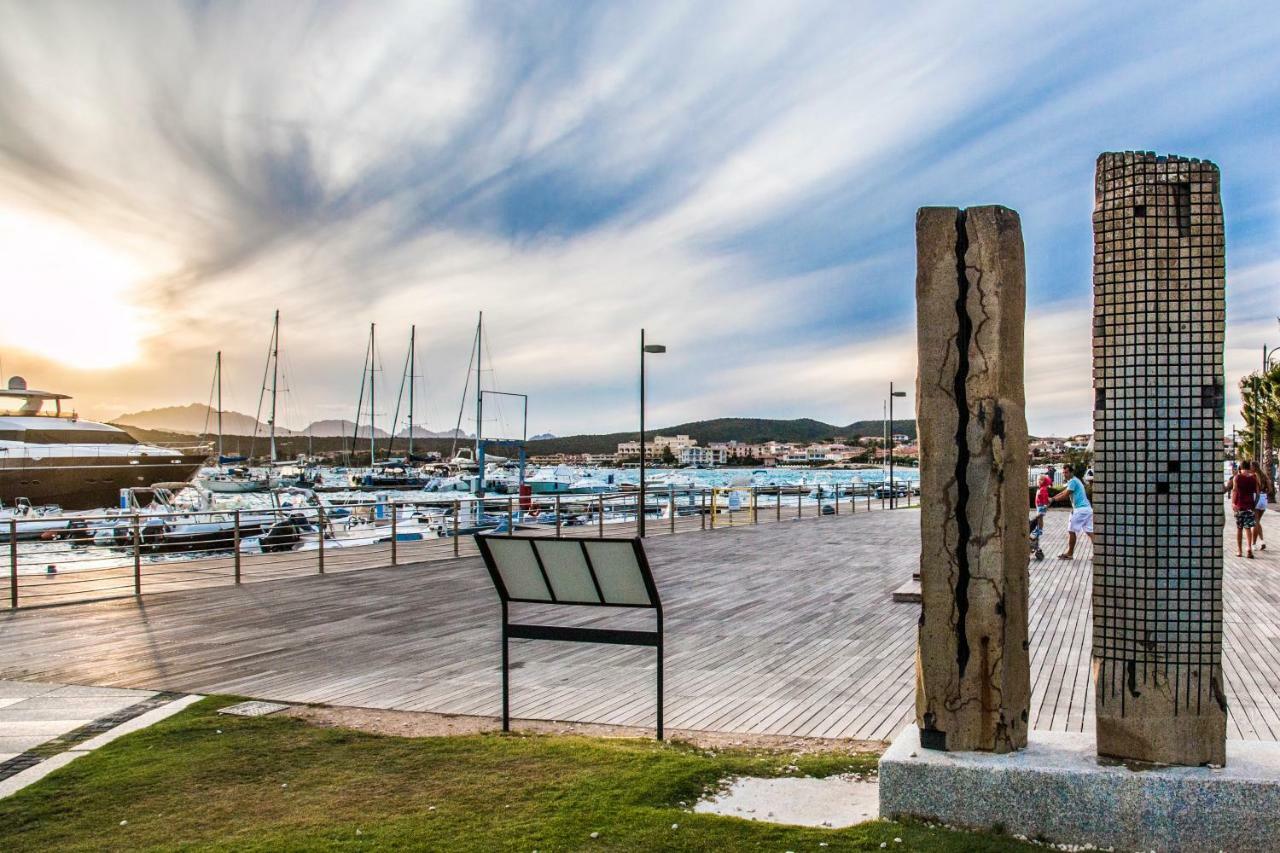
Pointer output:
506, 672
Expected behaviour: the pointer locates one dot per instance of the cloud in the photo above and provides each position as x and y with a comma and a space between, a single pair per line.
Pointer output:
740, 178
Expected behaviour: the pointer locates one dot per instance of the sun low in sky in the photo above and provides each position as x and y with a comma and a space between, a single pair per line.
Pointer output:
740, 178
69, 296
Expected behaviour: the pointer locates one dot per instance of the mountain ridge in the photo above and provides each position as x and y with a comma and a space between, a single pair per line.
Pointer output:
196, 419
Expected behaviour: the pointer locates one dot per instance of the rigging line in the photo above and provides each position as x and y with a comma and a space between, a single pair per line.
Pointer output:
208, 409
466, 386
355, 427
257, 416
500, 420
395, 419
422, 384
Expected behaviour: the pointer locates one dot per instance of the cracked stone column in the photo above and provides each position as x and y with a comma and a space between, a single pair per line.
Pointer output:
1159, 317
973, 674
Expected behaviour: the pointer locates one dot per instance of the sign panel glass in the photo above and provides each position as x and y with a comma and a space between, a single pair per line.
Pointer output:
618, 572
567, 568
516, 563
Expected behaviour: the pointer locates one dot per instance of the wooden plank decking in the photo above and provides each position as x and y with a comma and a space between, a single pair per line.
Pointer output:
781, 628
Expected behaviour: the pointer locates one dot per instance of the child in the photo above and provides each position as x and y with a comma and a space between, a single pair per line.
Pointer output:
1037, 523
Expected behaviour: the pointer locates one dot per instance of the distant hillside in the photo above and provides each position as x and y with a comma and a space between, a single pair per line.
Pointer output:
328, 436
335, 428
193, 419
423, 432
197, 418
749, 430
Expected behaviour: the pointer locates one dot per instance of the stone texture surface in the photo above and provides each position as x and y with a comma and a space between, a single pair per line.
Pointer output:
1058, 789
972, 666
1159, 324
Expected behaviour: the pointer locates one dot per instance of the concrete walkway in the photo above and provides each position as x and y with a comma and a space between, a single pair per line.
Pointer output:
44, 726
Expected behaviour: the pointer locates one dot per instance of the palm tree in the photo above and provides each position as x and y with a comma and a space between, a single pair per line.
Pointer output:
1260, 408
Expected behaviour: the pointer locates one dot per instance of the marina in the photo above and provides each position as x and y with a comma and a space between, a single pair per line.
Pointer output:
169, 544
781, 628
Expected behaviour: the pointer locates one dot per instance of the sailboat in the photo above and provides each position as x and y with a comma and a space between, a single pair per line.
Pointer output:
241, 479
396, 473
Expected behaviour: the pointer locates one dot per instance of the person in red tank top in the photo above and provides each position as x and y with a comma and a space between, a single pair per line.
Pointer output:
1244, 494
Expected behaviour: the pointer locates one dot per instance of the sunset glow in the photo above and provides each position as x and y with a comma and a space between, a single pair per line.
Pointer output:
68, 297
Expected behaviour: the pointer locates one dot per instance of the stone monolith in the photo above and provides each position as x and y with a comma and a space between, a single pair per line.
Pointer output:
972, 668
1158, 325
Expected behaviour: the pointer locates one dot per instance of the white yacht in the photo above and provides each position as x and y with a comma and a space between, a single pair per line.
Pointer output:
49, 456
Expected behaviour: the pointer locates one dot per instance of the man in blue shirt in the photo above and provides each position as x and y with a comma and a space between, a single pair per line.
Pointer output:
1081, 510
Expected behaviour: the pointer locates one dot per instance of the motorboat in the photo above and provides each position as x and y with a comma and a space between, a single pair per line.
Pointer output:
552, 481
450, 484
592, 484
237, 481
51, 457
393, 474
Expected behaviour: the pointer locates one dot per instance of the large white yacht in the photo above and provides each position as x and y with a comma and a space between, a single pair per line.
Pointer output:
53, 457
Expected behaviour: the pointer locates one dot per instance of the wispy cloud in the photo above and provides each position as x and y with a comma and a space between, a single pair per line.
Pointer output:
741, 178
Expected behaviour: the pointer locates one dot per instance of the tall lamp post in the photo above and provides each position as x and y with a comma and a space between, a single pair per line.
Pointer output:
653, 349
893, 492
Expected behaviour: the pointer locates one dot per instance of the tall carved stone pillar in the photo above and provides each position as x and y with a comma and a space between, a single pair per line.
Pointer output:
973, 679
1159, 318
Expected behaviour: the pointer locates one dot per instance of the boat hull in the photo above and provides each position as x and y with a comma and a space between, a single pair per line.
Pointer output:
235, 487
89, 482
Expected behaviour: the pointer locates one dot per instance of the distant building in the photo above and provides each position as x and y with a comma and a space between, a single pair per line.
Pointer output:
653, 449
703, 456
1048, 446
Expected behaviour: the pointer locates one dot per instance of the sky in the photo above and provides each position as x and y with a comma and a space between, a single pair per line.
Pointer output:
738, 178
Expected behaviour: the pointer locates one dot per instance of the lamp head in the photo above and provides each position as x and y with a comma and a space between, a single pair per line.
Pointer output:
654, 348
899, 393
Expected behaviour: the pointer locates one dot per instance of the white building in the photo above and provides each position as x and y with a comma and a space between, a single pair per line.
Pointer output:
703, 456
653, 449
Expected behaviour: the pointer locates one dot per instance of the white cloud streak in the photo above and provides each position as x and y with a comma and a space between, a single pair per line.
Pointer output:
741, 178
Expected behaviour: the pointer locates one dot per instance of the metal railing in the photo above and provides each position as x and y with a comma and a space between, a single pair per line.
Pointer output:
84, 557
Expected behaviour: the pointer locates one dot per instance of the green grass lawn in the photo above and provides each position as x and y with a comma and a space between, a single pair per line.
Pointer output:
203, 781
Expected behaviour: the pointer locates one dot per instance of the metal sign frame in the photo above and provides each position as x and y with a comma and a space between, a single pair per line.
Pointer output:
610, 636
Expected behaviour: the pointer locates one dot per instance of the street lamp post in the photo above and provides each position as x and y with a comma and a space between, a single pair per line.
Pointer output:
893, 492
652, 349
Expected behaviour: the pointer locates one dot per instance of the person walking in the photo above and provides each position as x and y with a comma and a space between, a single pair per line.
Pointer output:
1244, 496
1081, 511
1266, 488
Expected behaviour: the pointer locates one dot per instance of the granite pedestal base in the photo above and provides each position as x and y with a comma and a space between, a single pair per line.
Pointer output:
1057, 790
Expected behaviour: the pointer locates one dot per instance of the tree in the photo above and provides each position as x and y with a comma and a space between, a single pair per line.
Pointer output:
1260, 408
668, 458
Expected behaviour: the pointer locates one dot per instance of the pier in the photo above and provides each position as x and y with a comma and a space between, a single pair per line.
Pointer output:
781, 628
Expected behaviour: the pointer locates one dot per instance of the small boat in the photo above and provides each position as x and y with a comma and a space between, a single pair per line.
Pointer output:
450, 484
552, 481
592, 484
391, 475
236, 481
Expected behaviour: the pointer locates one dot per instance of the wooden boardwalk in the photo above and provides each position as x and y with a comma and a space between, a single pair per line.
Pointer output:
782, 628
96, 574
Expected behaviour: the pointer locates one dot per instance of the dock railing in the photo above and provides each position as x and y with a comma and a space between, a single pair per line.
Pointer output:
90, 557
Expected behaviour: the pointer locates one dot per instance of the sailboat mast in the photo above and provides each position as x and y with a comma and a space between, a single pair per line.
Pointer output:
217, 369
479, 392
373, 440
275, 374
412, 332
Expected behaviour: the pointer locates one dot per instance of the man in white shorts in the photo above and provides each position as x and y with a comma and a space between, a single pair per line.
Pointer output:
1081, 511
